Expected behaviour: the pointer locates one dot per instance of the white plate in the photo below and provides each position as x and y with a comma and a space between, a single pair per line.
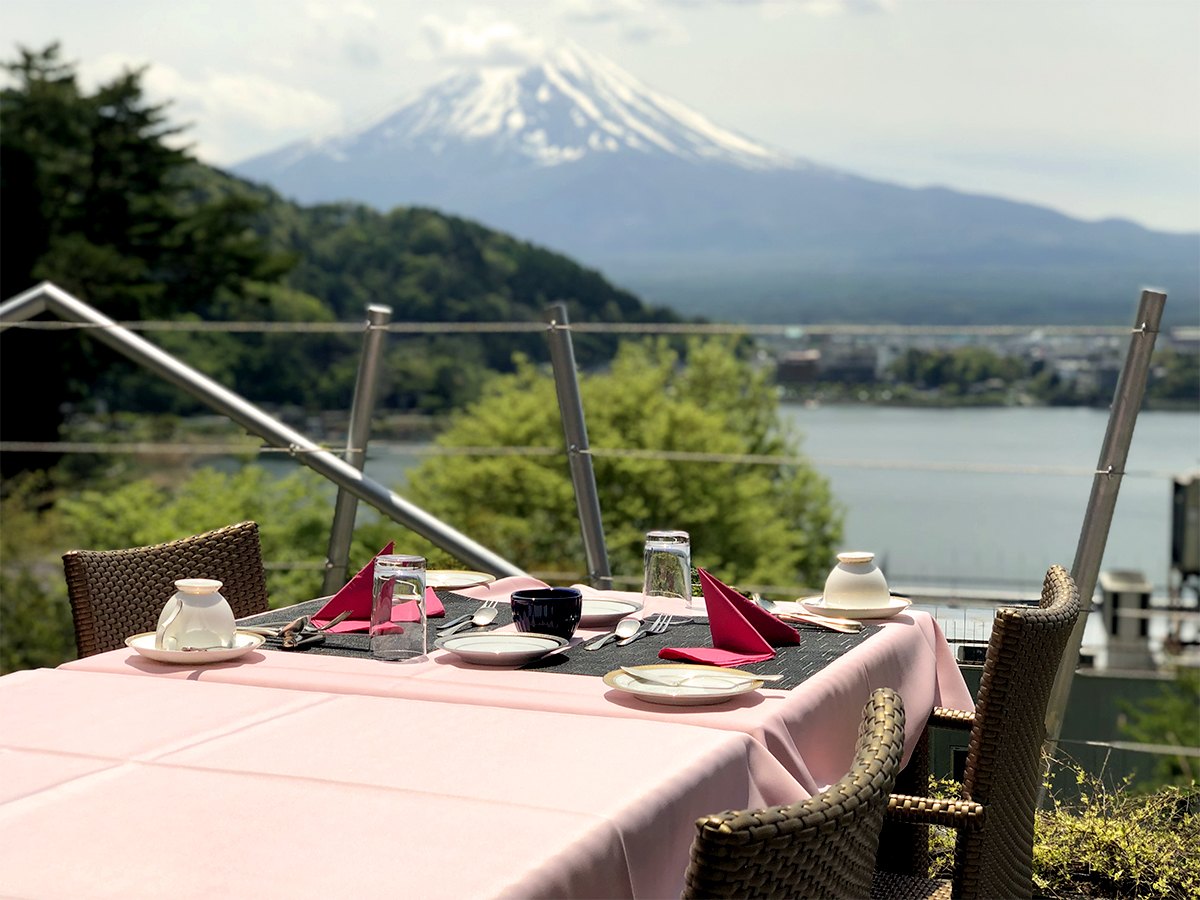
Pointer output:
456, 579
500, 648
703, 690
598, 612
243, 643
894, 606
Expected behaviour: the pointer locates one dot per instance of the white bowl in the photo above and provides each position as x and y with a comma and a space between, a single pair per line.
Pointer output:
856, 583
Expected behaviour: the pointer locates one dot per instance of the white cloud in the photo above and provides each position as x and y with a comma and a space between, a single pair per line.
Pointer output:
775, 9
601, 11
234, 111
324, 10
634, 20
480, 42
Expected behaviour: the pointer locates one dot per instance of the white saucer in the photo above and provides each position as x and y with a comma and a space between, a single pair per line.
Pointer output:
456, 579
500, 648
704, 690
243, 643
599, 612
894, 606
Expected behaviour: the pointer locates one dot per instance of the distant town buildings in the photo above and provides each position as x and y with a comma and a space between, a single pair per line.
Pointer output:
1055, 368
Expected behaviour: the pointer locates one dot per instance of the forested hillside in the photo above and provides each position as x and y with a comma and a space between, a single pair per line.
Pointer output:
98, 199
430, 267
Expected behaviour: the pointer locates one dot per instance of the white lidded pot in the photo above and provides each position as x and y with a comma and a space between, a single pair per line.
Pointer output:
196, 617
856, 583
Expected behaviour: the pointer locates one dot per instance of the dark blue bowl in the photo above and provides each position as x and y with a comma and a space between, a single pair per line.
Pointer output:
553, 611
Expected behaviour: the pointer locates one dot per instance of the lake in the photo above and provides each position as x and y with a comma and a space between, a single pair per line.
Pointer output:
977, 529
969, 529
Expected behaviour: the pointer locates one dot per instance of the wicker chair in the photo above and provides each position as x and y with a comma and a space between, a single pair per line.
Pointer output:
993, 854
822, 847
118, 593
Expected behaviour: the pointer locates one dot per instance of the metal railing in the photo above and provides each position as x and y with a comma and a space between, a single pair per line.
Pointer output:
48, 297
1110, 469
579, 453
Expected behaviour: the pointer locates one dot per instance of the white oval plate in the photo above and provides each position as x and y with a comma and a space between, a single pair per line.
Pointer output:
598, 611
895, 605
500, 648
456, 579
243, 643
704, 690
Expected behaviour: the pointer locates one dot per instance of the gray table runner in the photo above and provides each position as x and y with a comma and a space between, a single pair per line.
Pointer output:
817, 647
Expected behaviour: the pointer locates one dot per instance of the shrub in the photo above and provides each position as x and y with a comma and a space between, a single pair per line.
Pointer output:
1111, 842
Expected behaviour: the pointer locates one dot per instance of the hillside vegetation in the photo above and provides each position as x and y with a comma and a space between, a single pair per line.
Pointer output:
98, 200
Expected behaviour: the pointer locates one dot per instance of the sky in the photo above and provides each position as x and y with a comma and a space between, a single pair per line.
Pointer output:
1091, 107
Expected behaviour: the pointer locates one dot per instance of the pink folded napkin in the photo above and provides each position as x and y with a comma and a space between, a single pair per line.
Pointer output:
742, 632
356, 597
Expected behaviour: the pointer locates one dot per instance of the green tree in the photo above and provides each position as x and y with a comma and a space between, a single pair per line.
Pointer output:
1175, 377
955, 371
95, 198
760, 524
1172, 718
293, 516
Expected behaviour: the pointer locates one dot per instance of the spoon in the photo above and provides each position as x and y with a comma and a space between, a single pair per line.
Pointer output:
768, 605
626, 627
483, 616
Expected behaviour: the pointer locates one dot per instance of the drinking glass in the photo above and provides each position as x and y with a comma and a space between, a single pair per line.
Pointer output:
398, 608
668, 570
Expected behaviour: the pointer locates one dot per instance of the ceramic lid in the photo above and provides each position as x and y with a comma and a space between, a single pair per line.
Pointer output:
198, 585
856, 557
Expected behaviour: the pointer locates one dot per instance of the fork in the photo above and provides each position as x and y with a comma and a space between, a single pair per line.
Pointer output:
657, 625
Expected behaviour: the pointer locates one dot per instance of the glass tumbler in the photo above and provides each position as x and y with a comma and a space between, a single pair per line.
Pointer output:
668, 569
398, 608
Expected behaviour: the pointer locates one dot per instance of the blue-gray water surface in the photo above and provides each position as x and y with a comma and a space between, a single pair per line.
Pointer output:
972, 529
995, 530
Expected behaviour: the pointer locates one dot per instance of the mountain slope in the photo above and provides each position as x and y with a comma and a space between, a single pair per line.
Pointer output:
426, 266
573, 153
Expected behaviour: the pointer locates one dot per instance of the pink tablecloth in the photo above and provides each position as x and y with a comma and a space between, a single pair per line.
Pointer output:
300, 776
811, 730
166, 787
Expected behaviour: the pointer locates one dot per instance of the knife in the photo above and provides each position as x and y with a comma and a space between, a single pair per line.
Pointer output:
681, 681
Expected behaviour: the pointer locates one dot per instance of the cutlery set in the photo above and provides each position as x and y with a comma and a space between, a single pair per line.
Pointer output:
630, 629
832, 623
298, 634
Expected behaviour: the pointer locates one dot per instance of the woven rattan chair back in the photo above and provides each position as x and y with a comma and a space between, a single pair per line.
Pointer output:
118, 593
822, 847
1004, 759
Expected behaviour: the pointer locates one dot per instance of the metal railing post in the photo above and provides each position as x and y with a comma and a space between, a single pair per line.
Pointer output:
358, 434
47, 296
1127, 400
583, 477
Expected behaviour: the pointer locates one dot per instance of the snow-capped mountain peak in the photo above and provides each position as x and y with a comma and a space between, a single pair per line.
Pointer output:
560, 109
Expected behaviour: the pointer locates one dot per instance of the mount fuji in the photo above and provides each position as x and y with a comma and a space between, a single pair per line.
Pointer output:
573, 153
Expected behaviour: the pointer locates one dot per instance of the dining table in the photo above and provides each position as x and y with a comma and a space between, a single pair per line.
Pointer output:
328, 773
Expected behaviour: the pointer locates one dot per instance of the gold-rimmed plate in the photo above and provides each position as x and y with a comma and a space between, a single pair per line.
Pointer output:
707, 685
243, 643
598, 612
456, 579
500, 648
894, 606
